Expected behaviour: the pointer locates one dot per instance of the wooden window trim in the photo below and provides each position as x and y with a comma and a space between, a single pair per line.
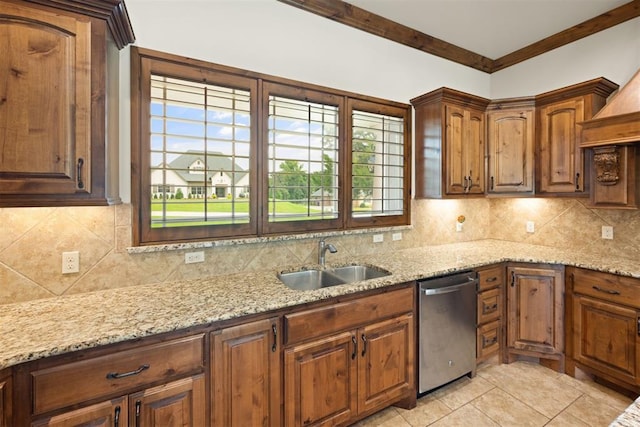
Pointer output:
145, 62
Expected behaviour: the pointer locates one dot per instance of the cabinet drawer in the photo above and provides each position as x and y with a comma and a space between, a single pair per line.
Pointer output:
489, 305
121, 372
345, 315
492, 277
608, 287
488, 339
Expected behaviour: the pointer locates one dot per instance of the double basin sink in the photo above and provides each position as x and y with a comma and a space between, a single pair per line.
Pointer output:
305, 280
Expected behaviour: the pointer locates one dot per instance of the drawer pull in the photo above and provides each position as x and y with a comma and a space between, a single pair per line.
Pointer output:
606, 291
79, 177
486, 343
491, 279
116, 375
489, 308
638, 327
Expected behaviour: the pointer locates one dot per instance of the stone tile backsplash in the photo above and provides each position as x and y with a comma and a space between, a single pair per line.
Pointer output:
33, 239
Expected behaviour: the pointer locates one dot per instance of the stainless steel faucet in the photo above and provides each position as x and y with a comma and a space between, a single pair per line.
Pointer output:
322, 250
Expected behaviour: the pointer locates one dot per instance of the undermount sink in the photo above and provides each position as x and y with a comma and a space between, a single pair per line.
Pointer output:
305, 280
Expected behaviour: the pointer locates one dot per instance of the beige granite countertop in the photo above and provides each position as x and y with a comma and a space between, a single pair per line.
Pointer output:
46, 327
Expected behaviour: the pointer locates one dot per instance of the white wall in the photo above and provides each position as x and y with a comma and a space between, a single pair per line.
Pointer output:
269, 37
613, 53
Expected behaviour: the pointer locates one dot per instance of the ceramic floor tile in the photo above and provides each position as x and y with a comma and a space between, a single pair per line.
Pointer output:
592, 411
428, 410
379, 418
467, 415
565, 419
462, 391
599, 392
536, 387
506, 410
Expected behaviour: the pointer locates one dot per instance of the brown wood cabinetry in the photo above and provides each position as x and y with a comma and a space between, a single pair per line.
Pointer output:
535, 313
450, 144
510, 142
490, 311
246, 370
53, 87
5, 399
560, 162
615, 177
142, 384
605, 316
361, 364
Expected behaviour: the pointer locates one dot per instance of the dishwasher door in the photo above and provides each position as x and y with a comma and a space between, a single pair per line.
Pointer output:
447, 330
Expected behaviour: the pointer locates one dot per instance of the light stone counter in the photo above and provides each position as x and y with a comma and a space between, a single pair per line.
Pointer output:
41, 328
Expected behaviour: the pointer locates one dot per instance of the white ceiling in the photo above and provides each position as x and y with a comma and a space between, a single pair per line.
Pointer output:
492, 28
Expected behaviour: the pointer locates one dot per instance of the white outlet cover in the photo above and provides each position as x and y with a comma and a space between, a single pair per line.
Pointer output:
531, 227
396, 236
607, 232
378, 238
193, 257
70, 262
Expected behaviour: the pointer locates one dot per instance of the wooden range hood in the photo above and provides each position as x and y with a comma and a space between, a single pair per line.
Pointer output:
612, 140
619, 121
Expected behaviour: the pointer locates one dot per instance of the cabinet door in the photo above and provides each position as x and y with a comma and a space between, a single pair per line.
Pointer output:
246, 375
111, 413
45, 107
535, 309
561, 159
606, 337
5, 402
386, 363
321, 381
176, 404
510, 142
464, 151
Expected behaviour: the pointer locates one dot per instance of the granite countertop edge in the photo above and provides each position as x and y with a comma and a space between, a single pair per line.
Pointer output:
41, 328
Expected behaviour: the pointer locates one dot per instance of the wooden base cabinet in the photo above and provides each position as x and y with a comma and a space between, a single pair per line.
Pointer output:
490, 312
605, 326
363, 366
535, 313
246, 370
159, 384
5, 400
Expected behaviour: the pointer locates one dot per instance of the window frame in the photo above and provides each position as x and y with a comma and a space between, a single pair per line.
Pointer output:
145, 62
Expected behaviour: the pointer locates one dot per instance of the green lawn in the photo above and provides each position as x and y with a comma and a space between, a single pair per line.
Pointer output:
219, 205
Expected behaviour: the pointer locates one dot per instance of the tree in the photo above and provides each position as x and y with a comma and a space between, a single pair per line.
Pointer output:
324, 179
179, 194
291, 183
364, 148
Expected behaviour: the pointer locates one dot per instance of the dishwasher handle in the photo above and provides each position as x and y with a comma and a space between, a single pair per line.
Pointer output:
448, 289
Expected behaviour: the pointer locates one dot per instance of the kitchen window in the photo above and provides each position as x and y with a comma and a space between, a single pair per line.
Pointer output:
226, 153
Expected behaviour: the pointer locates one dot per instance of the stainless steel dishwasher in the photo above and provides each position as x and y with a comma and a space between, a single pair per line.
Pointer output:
447, 329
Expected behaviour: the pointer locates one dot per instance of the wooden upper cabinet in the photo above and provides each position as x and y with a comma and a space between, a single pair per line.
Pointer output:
53, 87
560, 162
450, 144
510, 133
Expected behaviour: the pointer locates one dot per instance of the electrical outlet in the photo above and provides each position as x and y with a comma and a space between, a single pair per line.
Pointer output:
607, 232
458, 226
378, 238
70, 262
531, 227
396, 236
193, 257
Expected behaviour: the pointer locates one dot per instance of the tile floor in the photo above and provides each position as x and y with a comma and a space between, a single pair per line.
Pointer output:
516, 395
